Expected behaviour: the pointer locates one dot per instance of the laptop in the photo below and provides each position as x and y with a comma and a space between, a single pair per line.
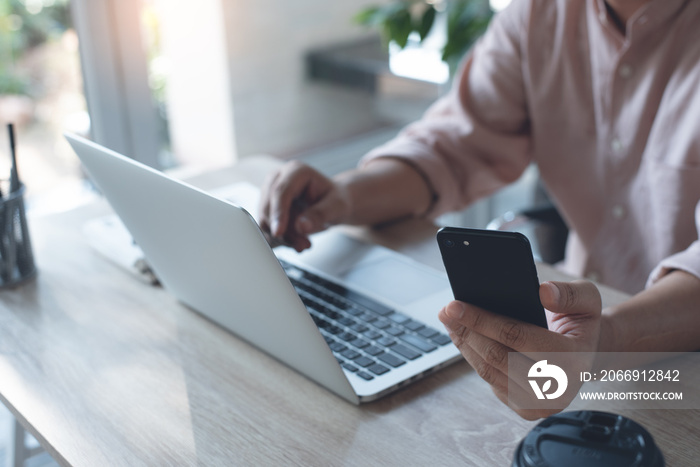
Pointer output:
358, 319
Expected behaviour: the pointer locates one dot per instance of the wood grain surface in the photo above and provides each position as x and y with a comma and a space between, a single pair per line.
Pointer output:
107, 370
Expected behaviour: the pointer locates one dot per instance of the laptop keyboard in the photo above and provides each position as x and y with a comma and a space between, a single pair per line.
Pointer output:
366, 337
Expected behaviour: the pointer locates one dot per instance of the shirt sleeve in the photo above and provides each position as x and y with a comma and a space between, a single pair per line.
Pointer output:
687, 260
476, 139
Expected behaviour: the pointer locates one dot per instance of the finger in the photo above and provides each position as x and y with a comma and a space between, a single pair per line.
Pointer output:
489, 373
264, 203
288, 236
288, 187
319, 216
519, 399
519, 396
509, 391
492, 367
480, 350
272, 241
517, 335
514, 402
297, 241
570, 297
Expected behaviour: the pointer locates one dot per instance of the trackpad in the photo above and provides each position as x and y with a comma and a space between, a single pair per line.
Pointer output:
401, 282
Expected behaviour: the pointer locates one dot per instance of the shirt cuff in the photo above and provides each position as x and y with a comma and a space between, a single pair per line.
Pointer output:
687, 260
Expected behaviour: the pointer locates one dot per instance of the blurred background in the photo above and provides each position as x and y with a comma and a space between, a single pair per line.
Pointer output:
196, 86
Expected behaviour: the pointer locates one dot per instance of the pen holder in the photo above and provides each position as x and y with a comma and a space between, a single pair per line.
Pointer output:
16, 258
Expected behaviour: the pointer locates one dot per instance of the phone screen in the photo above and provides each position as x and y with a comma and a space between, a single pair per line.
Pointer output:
493, 270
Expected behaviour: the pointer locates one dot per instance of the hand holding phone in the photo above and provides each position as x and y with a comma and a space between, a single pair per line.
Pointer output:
493, 270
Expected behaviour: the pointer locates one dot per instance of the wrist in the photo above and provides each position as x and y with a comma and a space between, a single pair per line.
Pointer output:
346, 185
610, 333
382, 190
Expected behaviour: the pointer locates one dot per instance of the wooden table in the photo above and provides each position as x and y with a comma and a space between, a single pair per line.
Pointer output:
105, 370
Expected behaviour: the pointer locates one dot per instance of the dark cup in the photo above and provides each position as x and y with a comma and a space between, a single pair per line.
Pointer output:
586, 438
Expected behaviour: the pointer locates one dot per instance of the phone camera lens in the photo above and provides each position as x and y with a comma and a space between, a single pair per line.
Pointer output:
449, 243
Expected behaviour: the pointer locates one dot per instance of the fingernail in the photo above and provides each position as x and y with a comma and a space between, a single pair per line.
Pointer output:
555, 291
456, 310
304, 225
274, 225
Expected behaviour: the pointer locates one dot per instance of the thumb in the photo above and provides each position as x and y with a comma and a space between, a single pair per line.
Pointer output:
570, 297
319, 215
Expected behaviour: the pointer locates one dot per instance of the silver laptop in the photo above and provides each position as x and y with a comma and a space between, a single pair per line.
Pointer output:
360, 320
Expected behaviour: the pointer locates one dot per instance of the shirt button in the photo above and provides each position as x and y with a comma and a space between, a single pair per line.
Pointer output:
617, 145
618, 211
625, 71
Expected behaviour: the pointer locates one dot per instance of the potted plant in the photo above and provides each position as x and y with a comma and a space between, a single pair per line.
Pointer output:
466, 20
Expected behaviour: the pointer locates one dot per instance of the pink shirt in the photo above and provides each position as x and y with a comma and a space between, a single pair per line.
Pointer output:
612, 122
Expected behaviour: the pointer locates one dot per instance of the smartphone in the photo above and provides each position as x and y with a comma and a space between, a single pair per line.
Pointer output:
493, 270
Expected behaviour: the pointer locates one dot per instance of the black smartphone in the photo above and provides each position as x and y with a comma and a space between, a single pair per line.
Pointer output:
493, 270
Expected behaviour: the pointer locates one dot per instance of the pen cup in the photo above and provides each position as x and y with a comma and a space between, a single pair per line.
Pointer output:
16, 258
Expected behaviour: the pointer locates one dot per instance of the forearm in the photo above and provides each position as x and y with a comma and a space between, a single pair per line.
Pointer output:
663, 318
384, 190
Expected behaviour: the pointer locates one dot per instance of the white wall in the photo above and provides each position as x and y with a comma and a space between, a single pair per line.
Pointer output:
276, 110
200, 115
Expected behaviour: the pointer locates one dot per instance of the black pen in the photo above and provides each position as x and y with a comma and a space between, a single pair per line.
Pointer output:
14, 178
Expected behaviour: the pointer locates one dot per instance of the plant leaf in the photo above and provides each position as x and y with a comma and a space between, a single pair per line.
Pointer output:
399, 27
369, 16
426, 22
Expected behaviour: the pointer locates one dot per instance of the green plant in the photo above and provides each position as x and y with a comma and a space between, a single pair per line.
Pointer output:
466, 21
24, 26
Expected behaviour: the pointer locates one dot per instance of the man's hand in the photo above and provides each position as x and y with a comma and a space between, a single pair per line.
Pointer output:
298, 201
484, 338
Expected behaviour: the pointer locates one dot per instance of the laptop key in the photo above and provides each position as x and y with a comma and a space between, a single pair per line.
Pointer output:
381, 323
337, 347
334, 315
428, 332
368, 303
364, 375
347, 321
358, 327
347, 336
441, 339
350, 354
391, 359
399, 318
418, 342
367, 317
386, 341
394, 331
359, 343
350, 367
378, 369
405, 351
364, 361
373, 350
414, 325
353, 310
334, 330
372, 334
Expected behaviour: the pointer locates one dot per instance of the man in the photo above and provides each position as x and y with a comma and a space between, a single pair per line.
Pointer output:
602, 95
